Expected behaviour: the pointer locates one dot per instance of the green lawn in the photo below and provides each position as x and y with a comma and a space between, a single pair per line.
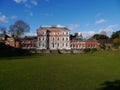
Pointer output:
60, 71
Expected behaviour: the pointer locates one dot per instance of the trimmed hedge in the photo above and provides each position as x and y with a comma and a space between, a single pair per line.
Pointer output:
89, 50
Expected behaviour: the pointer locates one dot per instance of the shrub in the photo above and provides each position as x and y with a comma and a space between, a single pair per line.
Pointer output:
93, 50
87, 50
8, 51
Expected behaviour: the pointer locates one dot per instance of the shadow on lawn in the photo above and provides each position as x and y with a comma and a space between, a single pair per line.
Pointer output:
8, 51
110, 85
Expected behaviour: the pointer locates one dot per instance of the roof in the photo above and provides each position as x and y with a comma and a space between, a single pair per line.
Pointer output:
54, 27
79, 38
3, 35
91, 39
54, 30
29, 38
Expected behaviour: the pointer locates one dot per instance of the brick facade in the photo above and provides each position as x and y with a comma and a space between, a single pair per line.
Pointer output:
53, 38
79, 43
28, 44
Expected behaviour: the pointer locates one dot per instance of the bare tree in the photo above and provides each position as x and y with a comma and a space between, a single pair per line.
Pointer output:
18, 29
3, 30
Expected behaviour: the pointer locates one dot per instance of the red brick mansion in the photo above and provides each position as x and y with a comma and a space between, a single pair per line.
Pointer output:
53, 38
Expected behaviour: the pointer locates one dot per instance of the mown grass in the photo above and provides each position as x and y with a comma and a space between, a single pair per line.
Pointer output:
59, 71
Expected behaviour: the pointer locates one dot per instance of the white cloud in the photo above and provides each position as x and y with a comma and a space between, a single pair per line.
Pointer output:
27, 3
13, 17
109, 29
73, 26
101, 21
88, 34
112, 26
17, 1
58, 25
20, 1
3, 19
34, 2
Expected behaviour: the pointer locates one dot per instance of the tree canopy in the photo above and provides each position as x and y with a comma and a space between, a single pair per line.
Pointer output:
115, 35
99, 37
18, 29
116, 39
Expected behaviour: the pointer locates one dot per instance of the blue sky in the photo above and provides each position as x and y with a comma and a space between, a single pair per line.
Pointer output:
86, 16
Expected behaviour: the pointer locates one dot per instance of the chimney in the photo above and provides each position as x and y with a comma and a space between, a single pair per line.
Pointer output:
76, 34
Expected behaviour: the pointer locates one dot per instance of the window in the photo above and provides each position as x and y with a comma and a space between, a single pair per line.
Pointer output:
50, 38
41, 38
66, 39
39, 44
88, 46
43, 45
38, 38
91, 45
44, 33
44, 38
58, 44
63, 44
63, 38
53, 45
53, 38
67, 33
83, 45
58, 38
